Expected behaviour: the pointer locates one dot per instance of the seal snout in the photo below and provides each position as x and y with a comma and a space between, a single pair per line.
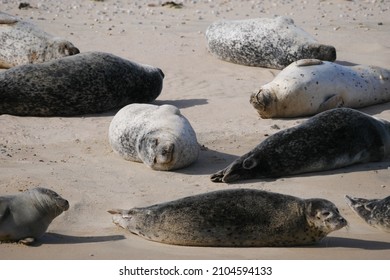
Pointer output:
262, 101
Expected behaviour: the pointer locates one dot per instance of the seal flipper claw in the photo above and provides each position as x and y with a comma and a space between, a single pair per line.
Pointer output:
27, 241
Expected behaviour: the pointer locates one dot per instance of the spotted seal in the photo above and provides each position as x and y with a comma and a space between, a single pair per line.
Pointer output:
26, 216
309, 86
159, 136
376, 212
22, 42
86, 83
329, 140
265, 42
235, 218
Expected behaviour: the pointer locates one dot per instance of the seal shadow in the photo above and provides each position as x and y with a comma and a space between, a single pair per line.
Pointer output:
344, 242
376, 109
182, 103
57, 238
208, 162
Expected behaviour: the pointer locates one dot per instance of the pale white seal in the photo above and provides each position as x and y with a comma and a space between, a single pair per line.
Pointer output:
26, 216
265, 42
375, 212
310, 86
236, 218
158, 136
22, 42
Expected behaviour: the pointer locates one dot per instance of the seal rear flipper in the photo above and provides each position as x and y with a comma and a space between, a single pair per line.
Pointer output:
217, 177
334, 101
121, 217
308, 62
7, 19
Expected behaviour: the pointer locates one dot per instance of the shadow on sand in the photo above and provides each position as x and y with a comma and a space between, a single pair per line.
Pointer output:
56, 238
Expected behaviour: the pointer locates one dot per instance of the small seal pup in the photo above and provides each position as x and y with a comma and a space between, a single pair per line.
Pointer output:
22, 42
86, 83
26, 216
234, 218
158, 136
329, 140
265, 42
376, 212
309, 86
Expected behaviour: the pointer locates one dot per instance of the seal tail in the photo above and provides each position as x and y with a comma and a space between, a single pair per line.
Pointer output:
121, 217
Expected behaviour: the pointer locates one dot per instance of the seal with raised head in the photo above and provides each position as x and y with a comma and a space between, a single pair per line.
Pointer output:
159, 136
375, 212
234, 218
333, 139
309, 86
26, 216
22, 42
265, 42
86, 83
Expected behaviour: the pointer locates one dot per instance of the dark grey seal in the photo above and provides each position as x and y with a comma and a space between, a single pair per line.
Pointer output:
329, 140
265, 42
85, 83
234, 218
376, 212
26, 216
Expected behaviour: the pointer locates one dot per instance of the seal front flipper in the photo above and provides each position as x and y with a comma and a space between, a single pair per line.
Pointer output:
4, 210
332, 102
27, 240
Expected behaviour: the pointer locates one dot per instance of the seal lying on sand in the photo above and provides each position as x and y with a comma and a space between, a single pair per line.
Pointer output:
265, 42
329, 140
85, 83
376, 212
158, 136
236, 217
26, 216
22, 42
310, 86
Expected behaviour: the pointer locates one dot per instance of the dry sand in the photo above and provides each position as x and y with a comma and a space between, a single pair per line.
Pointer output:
72, 155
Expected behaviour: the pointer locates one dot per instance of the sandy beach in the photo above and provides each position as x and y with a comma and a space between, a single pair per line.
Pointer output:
73, 157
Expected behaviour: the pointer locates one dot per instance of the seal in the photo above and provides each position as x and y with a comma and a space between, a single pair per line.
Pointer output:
159, 136
22, 42
265, 42
333, 139
376, 212
234, 218
86, 83
309, 86
26, 216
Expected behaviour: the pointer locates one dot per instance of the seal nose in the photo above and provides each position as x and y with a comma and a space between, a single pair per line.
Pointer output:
65, 207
